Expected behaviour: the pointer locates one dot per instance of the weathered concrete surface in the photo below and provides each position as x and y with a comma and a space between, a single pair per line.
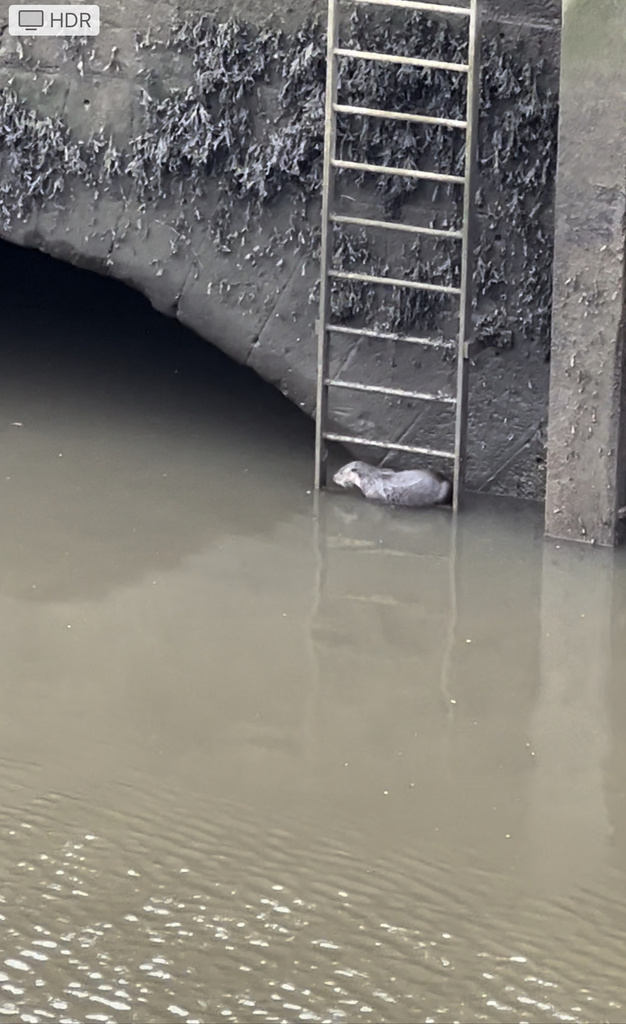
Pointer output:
587, 432
94, 170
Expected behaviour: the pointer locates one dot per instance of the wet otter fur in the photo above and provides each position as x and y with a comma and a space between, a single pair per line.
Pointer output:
410, 488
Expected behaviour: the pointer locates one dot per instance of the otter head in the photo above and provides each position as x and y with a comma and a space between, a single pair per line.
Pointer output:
350, 475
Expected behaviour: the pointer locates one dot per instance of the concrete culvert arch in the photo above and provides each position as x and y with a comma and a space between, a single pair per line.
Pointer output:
184, 158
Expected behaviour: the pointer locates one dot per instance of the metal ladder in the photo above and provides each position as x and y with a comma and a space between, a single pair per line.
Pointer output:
465, 236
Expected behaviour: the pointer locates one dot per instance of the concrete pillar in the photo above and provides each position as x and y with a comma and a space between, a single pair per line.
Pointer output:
586, 484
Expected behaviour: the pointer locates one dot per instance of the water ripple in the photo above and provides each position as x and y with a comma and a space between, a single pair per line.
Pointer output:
224, 917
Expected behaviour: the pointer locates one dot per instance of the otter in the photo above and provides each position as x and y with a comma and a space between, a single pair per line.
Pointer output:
411, 488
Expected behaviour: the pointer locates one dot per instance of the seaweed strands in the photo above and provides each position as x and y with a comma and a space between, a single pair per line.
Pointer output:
35, 154
39, 158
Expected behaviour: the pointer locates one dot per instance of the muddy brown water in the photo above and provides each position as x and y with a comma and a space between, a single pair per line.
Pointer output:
257, 765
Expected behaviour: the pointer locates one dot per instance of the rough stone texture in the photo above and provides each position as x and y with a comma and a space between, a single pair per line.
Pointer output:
587, 435
111, 158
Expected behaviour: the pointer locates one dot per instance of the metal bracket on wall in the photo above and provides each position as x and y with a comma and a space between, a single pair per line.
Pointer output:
465, 236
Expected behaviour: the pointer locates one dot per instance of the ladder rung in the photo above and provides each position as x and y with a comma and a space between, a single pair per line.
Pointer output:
345, 275
393, 226
389, 446
417, 5
405, 172
386, 336
342, 108
390, 58
376, 389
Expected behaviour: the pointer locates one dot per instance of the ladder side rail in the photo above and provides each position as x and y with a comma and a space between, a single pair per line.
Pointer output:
330, 145
469, 232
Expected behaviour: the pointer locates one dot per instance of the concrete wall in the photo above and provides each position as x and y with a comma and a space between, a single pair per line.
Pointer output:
186, 162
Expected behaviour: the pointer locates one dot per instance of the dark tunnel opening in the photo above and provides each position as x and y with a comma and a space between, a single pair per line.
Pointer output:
65, 312
127, 440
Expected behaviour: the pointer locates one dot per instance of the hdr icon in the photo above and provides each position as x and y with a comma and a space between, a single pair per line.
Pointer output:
54, 19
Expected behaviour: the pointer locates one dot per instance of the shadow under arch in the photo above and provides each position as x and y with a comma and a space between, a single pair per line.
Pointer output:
110, 408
